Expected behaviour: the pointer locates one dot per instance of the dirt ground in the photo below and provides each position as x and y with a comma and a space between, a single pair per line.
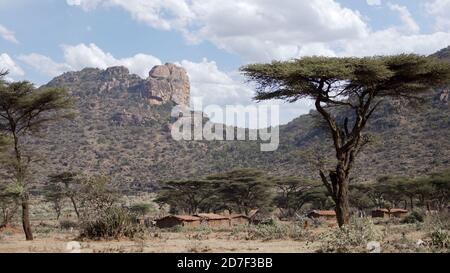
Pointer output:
165, 243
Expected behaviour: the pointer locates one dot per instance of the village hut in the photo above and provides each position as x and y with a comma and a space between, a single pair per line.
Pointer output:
178, 220
398, 213
385, 213
214, 220
327, 215
238, 220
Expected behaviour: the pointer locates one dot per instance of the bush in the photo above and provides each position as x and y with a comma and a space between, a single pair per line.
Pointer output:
414, 218
440, 220
114, 223
278, 231
267, 232
352, 238
440, 238
68, 224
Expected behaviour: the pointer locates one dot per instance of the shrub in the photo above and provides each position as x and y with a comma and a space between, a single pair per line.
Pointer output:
114, 223
439, 220
278, 231
68, 224
267, 232
351, 238
440, 238
414, 217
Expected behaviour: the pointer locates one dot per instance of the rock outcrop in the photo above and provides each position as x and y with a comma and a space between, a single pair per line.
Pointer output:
166, 83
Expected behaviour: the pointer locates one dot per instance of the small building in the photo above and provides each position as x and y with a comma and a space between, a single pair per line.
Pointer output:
327, 215
238, 220
398, 213
214, 220
380, 213
178, 220
385, 213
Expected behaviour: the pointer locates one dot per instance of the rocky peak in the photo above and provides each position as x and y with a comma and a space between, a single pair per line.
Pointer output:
168, 83
116, 72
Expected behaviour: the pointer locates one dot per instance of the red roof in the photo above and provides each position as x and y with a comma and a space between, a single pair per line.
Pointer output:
233, 216
211, 216
324, 212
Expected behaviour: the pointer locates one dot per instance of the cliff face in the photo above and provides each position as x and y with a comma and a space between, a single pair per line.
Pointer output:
166, 83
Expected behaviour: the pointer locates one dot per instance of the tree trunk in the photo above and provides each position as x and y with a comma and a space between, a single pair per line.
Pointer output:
26, 219
342, 204
340, 185
75, 208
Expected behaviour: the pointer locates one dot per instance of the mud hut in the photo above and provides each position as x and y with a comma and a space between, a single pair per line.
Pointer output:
239, 220
178, 220
214, 220
327, 215
385, 213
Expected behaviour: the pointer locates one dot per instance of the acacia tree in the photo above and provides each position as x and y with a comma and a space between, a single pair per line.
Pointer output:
293, 193
186, 195
64, 185
354, 85
244, 189
24, 110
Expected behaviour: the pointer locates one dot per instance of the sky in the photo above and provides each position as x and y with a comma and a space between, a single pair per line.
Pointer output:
211, 39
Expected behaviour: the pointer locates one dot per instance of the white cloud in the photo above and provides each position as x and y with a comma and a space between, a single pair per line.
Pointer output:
160, 14
410, 24
391, 41
7, 63
44, 64
8, 35
80, 56
373, 2
440, 9
249, 28
84, 4
212, 86
252, 28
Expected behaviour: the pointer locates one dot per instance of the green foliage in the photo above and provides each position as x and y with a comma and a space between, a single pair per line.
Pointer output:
244, 189
440, 238
98, 194
141, 209
186, 195
389, 75
113, 223
67, 224
238, 190
414, 217
293, 193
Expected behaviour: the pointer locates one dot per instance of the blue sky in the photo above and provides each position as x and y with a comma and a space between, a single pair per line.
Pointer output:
210, 38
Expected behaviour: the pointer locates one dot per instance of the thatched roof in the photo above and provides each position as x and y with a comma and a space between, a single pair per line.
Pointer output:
211, 216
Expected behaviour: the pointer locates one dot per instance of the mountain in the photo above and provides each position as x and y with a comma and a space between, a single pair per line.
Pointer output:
123, 130
443, 54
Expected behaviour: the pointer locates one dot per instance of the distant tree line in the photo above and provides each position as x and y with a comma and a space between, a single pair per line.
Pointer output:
241, 191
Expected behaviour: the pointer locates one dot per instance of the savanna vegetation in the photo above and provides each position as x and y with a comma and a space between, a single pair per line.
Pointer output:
89, 205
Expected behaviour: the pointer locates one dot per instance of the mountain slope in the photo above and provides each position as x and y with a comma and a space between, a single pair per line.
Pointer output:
123, 130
